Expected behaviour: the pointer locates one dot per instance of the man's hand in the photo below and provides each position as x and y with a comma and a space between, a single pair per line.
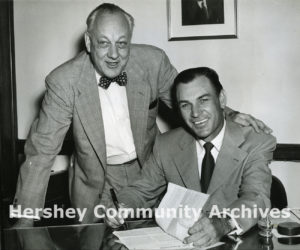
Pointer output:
109, 243
113, 217
207, 231
23, 223
248, 120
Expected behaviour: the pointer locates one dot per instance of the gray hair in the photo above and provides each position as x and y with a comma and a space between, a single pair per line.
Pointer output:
108, 8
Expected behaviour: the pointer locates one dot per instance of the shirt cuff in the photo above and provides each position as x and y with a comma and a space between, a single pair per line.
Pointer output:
237, 229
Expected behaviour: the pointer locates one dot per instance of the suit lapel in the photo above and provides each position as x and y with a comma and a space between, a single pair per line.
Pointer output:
89, 110
186, 162
138, 96
230, 156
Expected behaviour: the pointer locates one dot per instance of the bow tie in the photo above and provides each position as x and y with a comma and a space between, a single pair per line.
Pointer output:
120, 79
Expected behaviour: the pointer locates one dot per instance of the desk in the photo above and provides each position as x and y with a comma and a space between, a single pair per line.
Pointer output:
99, 237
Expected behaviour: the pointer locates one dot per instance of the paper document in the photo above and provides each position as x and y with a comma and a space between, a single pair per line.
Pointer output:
179, 209
152, 238
149, 238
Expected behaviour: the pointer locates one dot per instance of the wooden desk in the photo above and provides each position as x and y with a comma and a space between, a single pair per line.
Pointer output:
99, 237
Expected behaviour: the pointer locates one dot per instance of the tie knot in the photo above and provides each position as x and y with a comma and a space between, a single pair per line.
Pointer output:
208, 146
120, 79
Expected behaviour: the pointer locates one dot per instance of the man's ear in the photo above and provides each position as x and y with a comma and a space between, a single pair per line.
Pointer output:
87, 40
222, 99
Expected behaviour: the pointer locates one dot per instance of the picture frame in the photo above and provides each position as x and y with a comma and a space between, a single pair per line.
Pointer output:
185, 23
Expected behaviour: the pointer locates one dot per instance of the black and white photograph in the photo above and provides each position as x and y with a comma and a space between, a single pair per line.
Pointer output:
196, 12
149, 124
202, 19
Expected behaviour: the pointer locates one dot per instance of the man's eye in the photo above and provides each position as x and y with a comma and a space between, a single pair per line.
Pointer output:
122, 45
183, 105
103, 44
203, 100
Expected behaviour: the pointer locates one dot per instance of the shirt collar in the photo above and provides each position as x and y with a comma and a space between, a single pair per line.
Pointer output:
218, 140
97, 76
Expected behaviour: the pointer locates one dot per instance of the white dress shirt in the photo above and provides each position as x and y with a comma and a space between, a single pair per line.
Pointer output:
117, 128
217, 142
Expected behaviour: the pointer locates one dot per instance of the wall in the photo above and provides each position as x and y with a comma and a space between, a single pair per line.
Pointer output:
259, 70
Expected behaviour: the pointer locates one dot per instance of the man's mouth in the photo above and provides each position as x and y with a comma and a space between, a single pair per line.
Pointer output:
201, 122
112, 65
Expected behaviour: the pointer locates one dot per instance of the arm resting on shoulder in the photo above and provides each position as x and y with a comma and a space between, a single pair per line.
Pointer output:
247, 120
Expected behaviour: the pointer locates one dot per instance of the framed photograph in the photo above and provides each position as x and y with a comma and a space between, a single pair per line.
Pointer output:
202, 19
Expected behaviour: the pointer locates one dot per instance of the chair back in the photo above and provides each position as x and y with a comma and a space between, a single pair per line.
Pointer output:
278, 194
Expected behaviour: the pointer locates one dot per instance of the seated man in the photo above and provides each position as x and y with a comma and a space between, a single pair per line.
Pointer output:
212, 155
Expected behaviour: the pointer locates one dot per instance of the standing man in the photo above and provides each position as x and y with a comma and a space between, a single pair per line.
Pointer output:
212, 155
109, 96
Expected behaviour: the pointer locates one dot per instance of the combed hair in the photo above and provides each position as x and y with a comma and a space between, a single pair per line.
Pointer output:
108, 8
189, 75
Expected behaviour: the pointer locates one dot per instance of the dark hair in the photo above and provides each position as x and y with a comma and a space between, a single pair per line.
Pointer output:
108, 8
189, 75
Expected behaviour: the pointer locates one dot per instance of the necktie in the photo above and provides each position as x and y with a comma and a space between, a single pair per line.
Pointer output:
208, 165
120, 79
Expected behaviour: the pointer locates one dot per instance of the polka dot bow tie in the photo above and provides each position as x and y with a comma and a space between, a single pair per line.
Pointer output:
120, 79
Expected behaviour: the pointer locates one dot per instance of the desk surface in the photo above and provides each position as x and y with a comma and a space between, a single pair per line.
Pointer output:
99, 237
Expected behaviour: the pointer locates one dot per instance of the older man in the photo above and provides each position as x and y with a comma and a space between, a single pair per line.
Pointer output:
109, 96
212, 155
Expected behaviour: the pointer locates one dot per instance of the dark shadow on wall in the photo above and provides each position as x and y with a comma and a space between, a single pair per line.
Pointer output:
80, 44
169, 116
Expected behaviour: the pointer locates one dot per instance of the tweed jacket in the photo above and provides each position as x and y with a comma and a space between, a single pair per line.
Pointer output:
241, 174
72, 99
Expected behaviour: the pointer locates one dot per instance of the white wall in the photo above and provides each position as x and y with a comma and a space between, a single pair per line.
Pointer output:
259, 70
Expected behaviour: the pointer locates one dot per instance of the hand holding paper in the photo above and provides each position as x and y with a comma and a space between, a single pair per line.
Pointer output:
187, 205
179, 215
206, 231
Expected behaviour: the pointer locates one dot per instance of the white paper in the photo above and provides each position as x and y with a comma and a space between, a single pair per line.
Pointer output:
149, 238
152, 238
173, 229
179, 198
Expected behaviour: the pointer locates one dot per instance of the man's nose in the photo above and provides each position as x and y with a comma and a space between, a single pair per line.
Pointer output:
195, 111
113, 52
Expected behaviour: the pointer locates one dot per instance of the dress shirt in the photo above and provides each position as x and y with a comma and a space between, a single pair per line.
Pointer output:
202, 4
117, 129
217, 142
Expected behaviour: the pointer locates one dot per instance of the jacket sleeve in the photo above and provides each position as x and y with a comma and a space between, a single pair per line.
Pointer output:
43, 144
255, 188
167, 74
146, 192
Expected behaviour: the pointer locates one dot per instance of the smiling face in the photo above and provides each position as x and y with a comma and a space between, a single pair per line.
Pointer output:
108, 42
201, 108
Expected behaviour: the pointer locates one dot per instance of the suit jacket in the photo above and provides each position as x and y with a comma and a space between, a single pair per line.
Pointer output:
241, 174
72, 99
